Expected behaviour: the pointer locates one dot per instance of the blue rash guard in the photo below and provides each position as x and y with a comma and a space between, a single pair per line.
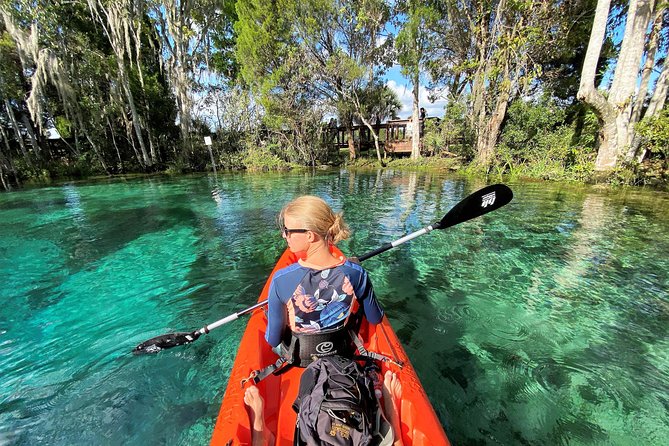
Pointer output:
310, 300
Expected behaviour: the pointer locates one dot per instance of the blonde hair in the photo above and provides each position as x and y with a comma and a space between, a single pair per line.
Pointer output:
317, 216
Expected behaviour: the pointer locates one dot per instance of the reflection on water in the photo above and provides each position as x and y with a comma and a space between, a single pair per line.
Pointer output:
541, 323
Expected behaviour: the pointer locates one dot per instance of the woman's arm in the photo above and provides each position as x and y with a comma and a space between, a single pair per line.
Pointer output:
276, 317
371, 306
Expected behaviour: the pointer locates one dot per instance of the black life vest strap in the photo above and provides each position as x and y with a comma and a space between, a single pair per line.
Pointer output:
282, 365
277, 368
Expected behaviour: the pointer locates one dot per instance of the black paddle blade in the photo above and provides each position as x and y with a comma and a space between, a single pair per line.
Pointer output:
479, 203
162, 342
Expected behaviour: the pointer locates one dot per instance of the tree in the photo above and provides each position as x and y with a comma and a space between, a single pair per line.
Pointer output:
185, 29
320, 50
412, 53
619, 109
491, 51
11, 92
373, 104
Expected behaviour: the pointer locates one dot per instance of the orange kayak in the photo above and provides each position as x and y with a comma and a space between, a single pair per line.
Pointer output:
420, 425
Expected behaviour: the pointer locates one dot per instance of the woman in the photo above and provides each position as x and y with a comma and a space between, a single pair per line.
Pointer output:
320, 291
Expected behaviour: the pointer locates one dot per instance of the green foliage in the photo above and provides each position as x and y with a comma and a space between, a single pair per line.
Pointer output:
452, 135
527, 123
64, 126
378, 102
285, 65
224, 37
10, 68
538, 142
263, 159
177, 166
654, 132
413, 40
84, 166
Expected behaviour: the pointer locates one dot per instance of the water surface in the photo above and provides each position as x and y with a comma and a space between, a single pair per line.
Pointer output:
544, 322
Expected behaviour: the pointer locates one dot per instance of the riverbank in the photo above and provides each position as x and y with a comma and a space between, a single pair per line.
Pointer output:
652, 174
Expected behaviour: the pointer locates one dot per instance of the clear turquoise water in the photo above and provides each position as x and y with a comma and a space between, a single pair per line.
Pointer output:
544, 322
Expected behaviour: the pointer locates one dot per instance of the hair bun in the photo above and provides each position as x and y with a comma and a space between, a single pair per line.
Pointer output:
338, 230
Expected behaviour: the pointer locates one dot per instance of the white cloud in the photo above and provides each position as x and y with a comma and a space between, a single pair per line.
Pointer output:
405, 95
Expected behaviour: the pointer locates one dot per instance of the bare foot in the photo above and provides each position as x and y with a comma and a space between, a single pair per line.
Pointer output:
260, 435
392, 398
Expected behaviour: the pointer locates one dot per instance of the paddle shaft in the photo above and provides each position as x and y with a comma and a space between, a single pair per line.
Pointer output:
397, 242
232, 317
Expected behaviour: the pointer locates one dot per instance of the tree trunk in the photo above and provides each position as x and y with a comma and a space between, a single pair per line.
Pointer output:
31, 134
131, 140
97, 152
655, 105
660, 94
351, 143
135, 117
4, 163
589, 94
5, 185
111, 131
637, 110
116, 26
653, 42
415, 119
487, 140
374, 135
615, 112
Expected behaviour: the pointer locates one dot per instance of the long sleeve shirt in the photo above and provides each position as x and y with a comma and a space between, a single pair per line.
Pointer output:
308, 300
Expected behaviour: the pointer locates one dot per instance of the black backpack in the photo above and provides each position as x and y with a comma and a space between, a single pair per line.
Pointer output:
336, 406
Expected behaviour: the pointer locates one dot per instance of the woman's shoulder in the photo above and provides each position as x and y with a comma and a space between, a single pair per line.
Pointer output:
286, 271
352, 266
353, 262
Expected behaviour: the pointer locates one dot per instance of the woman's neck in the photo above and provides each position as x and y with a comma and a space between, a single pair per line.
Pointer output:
319, 255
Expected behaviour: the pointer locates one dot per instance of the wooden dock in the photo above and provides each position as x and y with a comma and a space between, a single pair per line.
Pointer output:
394, 136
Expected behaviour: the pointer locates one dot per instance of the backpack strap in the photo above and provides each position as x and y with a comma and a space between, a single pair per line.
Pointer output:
258, 375
383, 431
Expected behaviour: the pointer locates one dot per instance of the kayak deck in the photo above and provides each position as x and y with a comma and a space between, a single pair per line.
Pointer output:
420, 425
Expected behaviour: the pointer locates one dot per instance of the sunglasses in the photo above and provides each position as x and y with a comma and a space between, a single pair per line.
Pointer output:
286, 232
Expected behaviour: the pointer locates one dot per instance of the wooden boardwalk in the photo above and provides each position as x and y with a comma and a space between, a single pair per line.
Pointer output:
394, 136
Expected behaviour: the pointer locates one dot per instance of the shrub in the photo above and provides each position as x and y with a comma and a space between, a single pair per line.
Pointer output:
538, 140
654, 133
261, 158
451, 134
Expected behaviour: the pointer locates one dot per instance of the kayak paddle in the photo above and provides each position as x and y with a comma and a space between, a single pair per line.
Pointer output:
479, 203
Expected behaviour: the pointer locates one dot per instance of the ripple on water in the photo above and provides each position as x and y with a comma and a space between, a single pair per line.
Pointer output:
557, 396
551, 315
509, 329
457, 312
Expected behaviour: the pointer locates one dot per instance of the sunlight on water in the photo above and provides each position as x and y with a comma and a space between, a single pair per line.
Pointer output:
541, 323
